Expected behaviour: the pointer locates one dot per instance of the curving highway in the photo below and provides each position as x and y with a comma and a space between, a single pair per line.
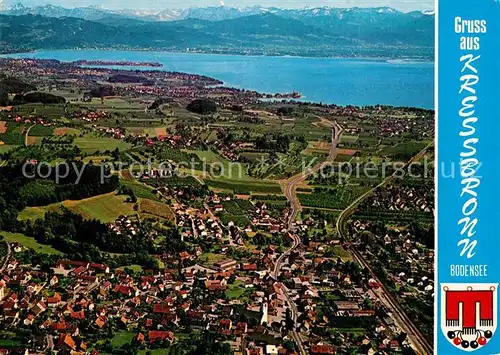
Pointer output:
291, 195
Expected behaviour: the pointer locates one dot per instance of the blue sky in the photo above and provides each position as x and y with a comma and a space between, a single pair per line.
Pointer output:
402, 5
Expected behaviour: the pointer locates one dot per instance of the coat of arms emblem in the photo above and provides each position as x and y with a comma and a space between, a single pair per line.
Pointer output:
469, 314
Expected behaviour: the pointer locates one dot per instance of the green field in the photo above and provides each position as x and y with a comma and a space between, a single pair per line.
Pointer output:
105, 208
341, 158
246, 188
41, 131
140, 190
206, 156
4, 148
94, 142
29, 242
340, 252
404, 150
209, 259
134, 268
335, 198
122, 338
235, 290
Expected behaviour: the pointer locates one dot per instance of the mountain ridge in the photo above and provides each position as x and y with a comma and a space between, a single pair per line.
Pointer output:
212, 13
378, 32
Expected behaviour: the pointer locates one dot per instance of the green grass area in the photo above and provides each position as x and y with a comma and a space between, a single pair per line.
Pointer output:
154, 352
105, 208
338, 252
134, 268
217, 167
10, 343
236, 211
235, 290
405, 150
41, 131
156, 209
206, 156
115, 104
185, 158
246, 188
94, 142
96, 159
140, 190
341, 158
53, 111
72, 131
29, 242
254, 157
334, 198
122, 338
14, 135
209, 259
345, 138
4, 148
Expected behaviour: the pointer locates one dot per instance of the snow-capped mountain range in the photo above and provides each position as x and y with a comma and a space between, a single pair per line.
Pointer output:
216, 13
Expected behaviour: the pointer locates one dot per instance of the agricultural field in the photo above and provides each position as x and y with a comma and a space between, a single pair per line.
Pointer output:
346, 138
236, 211
105, 208
160, 132
318, 147
4, 148
66, 131
334, 198
13, 134
342, 158
404, 151
206, 156
41, 131
236, 207
93, 142
51, 111
245, 188
187, 159
286, 166
173, 181
156, 209
254, 157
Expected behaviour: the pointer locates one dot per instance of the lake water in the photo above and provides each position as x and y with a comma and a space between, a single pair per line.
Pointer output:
327, 80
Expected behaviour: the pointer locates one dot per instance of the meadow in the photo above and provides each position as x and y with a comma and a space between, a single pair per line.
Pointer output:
94, 142
105, 208
29, 243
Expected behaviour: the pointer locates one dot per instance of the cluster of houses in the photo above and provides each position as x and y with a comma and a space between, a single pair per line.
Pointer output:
91, 116
406, 253
402, 198
123, 225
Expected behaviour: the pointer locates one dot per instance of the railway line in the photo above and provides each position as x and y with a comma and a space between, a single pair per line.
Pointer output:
418, 341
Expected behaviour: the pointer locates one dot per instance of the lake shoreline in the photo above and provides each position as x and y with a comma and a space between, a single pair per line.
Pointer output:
339, 81
236, 54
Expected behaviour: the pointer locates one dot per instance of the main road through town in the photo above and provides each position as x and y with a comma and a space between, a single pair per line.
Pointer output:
419, 342
291, 195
